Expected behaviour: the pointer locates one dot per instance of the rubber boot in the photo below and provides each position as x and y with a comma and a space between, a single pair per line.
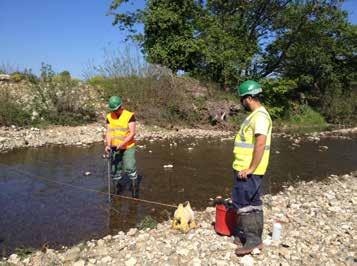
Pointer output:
134, 187
252, 226
239, 237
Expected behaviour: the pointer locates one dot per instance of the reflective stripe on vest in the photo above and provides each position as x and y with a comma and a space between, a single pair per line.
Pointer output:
244, 145
118, 129
118, 137
248, 145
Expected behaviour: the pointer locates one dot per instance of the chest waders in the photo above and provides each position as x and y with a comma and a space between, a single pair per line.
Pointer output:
118, 176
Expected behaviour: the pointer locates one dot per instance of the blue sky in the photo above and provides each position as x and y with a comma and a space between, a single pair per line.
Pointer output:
66, 34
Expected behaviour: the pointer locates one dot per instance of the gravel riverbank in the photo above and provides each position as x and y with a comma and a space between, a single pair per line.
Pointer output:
319, 228
15, 138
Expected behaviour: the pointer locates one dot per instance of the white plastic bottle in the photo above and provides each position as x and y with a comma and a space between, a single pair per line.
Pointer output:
276, 231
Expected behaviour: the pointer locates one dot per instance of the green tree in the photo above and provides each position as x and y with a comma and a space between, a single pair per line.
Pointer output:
214, 39
317, 48
310, 43
65, 75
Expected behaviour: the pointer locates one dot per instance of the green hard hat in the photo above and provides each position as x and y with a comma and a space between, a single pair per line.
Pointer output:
249, 87
114, 103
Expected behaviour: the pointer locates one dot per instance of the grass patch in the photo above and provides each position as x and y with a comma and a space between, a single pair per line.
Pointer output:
303, 120
147, 222
24, 252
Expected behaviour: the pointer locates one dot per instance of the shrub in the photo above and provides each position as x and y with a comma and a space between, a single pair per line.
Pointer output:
147, 222
278, 96
12, 113
96, 81
305, 116
341, 108
59, 100
24, 75
65, 75
17, 76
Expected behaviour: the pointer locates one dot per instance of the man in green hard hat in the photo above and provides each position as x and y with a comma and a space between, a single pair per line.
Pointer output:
120, 140
251, 158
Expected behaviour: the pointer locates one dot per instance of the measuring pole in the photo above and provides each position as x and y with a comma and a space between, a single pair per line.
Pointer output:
109, 174
133, 187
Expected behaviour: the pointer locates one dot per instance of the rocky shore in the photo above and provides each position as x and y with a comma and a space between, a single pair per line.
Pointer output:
14, 137
318, 228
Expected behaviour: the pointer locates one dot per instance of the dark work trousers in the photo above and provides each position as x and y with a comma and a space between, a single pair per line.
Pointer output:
246, 193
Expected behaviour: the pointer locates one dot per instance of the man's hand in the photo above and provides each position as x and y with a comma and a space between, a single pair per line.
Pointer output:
244, 173
121, 147
257, 156
107, 149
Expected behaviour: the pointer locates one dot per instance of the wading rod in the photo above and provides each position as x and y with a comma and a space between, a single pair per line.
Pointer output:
109, 175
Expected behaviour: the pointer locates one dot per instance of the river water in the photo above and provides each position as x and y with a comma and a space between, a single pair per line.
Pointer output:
37, 211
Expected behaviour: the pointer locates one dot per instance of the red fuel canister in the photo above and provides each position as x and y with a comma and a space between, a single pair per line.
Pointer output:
225, 220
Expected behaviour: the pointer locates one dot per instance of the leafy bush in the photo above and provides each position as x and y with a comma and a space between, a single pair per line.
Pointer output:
12, 113
278, 96
305, 116
340, 108
17, 77
56, 98
65, 75
24, 75
59, 100
147, 222
97, 81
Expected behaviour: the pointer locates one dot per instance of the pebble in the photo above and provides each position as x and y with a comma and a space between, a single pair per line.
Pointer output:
108, 237
101, 242
26, 261
131, 262
106, 259
79, 263
132, 232
247, 260
72, 254
256, 251
93, 261
323, 148
14, 258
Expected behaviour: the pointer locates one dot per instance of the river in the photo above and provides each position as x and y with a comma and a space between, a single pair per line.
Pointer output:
37, 209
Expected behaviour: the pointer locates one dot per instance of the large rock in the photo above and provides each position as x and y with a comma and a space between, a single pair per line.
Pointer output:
130, 262
5, 77
72, 254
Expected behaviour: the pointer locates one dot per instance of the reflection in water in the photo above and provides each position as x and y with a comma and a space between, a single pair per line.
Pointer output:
125, 184
35, 211
123, 209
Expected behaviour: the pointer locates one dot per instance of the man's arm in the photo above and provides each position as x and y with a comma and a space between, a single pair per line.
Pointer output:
132, 130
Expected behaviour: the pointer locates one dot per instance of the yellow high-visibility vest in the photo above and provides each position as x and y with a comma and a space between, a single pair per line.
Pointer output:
245, 140
119, 128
